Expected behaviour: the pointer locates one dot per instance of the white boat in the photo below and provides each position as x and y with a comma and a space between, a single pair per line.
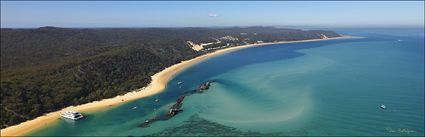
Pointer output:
383, 106
72, 115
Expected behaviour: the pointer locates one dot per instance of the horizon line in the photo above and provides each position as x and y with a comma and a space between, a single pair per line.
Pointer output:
241, 26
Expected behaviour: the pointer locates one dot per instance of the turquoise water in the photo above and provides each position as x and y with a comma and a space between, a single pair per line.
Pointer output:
314, 88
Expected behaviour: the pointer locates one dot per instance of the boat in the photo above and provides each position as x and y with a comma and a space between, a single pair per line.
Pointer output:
156, 100
383, 106
72, 115
178, 83
134, 107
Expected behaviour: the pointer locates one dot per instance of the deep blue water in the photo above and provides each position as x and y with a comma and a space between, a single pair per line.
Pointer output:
313, 88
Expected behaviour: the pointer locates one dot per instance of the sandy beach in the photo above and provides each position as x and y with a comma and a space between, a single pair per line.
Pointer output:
157, 85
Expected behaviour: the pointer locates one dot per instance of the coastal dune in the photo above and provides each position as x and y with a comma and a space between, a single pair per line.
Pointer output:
158, 84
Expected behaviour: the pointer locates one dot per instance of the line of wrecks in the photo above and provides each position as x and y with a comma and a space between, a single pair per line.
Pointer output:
176, 108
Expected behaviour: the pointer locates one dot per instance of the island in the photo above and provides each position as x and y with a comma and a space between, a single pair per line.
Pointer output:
48, 69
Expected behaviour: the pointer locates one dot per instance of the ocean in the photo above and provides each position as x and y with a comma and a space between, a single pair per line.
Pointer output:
317, 88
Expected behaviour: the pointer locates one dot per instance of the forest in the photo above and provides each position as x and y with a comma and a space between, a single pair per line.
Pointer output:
49, 68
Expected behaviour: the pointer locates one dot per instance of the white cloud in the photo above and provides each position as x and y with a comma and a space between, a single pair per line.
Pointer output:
212, 15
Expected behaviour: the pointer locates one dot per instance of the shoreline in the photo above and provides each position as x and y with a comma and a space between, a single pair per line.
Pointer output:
157, 85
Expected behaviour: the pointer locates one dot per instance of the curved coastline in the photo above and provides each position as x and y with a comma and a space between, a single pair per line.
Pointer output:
157, 85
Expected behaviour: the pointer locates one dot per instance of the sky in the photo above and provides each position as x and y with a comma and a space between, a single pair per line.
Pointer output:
26, 14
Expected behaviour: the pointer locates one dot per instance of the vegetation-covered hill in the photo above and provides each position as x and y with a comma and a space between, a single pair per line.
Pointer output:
46, 69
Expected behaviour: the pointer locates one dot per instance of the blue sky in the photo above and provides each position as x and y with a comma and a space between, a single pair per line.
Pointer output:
201, 14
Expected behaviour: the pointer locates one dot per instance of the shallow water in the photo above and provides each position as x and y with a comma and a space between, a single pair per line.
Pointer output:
313, 88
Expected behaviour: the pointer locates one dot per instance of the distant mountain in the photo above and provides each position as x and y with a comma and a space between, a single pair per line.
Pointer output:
49, 68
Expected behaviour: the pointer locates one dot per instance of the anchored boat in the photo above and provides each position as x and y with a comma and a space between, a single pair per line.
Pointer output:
72, 115
383, 106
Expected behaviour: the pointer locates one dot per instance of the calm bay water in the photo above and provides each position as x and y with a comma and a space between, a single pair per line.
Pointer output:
313, 88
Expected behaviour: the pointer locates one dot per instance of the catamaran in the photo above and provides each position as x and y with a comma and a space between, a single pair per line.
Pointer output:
72, 115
